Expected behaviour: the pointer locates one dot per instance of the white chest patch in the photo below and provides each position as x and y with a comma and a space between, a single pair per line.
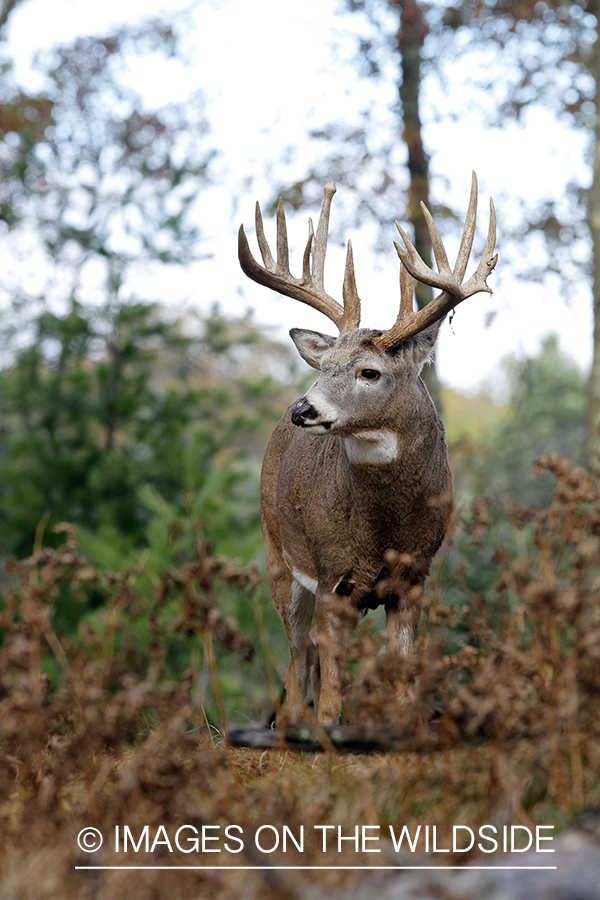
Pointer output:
305, 580
375, 448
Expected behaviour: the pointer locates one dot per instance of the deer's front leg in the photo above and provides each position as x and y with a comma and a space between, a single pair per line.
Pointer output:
297, 615
330, 641
400, 628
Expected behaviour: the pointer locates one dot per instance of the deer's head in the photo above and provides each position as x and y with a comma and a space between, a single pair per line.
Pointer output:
364, 372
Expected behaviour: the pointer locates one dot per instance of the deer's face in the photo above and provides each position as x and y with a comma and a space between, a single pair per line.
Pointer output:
361, 390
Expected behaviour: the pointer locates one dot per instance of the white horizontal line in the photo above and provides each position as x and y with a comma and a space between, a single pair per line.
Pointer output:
284, 868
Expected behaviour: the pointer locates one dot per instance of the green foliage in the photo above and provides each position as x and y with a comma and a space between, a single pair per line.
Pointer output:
546, 411
105, 410
149, 443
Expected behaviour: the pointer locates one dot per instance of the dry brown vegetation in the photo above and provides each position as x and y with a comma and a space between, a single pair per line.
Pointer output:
501, 724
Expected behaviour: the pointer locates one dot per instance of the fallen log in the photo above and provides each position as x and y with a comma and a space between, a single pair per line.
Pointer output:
310, 737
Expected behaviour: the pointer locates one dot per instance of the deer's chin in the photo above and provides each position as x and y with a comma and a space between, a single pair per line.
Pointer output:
319, 427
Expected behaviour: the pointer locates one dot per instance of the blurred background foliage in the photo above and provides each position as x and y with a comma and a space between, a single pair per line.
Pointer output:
143, 426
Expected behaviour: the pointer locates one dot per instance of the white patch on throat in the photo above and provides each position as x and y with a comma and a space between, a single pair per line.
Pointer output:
374, 448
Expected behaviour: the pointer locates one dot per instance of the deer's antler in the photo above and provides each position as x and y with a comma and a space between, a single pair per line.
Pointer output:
309, 287
454, 291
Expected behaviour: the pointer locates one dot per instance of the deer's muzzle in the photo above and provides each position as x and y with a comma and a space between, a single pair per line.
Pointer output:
303, 412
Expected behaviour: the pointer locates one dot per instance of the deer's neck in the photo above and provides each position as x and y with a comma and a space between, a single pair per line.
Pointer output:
376, 448
421, 434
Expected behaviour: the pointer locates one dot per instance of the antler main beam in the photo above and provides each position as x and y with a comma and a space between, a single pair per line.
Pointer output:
309, 287
410, 322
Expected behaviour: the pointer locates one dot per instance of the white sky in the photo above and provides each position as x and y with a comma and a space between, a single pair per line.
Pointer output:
268, 72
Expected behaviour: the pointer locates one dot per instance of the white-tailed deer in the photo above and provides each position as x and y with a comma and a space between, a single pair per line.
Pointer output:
358, 467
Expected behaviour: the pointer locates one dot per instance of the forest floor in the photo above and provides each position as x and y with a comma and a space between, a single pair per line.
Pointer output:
182, 817
113, 784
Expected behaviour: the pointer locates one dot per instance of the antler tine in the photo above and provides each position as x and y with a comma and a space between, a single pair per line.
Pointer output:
466, 243
406, 292
407, 283
307, 250
320, 246
487, 261
350, 294
410, 322
265, 252
283, 256
445, 278
436, 243
309, 287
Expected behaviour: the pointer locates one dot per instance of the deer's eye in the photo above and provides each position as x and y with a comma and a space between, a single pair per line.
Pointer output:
369, 374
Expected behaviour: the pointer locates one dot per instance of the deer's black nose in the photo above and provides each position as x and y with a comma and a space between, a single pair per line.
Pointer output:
303, 411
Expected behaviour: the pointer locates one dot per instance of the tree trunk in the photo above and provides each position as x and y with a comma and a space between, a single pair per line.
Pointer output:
6, 8
593, 429
410, 39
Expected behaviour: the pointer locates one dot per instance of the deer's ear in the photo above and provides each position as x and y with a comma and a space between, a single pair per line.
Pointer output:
311, 345
425, 344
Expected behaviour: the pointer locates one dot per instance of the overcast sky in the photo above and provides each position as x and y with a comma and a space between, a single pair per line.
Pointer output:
271, 70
